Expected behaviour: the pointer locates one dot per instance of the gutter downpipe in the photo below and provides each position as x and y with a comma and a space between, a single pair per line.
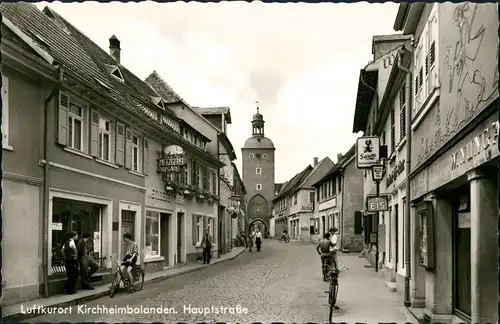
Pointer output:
342, 178
377, 184
46, 185
220, 216
407, 227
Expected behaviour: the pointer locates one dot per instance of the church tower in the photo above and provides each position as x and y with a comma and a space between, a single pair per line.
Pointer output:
258, 175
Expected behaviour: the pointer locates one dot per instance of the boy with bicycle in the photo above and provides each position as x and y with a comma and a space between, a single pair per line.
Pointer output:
324, 250
130, 259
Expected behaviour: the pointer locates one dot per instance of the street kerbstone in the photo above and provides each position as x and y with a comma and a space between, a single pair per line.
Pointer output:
282, 283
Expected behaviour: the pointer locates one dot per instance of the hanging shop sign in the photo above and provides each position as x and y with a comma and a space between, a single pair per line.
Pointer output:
171, 160
367, 151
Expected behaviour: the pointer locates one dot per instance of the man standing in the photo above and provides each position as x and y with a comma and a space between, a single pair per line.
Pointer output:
86, 262
71, 262
206, 244
258, 240
336, 244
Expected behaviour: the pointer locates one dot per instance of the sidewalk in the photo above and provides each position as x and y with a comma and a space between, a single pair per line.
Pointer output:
364, 297
13, 312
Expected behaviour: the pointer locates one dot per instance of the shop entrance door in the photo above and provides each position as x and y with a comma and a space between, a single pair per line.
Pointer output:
128, 226
462, 261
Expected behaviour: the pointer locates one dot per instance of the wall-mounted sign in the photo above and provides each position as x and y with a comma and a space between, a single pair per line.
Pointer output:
376, 203
332, 203
57, 226
463, 204
160, 195
304, 229
400, 167
481, 143
307, 208
367, 151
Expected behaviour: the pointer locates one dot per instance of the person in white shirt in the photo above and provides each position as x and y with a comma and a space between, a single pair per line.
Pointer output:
258, 240
336, 244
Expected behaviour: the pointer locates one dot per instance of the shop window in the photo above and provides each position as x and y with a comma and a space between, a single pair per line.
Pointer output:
210, 226
80, 217
152, 248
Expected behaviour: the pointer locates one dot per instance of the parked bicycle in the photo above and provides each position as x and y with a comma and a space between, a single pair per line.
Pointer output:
137, 275
331, 274
284, 238
239, 241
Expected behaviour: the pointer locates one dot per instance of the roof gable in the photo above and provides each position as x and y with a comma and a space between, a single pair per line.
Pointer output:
317, 173
292, 184
163, 88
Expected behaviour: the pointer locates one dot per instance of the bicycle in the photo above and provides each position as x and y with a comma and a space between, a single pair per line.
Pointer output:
137, 275
333, 274
284, 238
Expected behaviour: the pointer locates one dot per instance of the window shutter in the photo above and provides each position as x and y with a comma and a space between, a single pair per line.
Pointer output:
368, 228
94, 133
194, 233
214, 182
432, 54
120, 143
427, 64
63, 119
128, 149
193, 173
358, 227
402, 112
145, 157
420, 77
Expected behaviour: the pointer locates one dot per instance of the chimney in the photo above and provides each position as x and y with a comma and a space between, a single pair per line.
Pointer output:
315, 161
114, 48
339, 157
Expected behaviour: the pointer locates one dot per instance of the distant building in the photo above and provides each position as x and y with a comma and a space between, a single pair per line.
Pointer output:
258, 175
294, 205
339, 202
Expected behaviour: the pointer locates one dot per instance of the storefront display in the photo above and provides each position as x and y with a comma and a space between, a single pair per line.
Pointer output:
80, 217
152, 248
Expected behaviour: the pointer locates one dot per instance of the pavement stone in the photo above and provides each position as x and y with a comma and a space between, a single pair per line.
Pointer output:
281, 283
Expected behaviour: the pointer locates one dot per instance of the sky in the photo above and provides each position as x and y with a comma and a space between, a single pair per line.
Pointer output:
301, 62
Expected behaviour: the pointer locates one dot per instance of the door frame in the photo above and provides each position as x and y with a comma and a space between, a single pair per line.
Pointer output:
137, 208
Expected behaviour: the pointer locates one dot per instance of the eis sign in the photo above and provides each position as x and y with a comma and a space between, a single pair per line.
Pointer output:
367, 152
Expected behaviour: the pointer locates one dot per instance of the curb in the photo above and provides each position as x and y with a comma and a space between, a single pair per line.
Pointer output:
84, 299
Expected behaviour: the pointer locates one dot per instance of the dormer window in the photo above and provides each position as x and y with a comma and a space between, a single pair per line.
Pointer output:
117, 74
158, 101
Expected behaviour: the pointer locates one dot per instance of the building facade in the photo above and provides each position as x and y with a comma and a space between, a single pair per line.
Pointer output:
258, 166
454, 156
107, 159
340, 200
382, 113
238, 204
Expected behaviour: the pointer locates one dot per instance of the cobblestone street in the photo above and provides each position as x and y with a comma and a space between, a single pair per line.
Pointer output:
280, 283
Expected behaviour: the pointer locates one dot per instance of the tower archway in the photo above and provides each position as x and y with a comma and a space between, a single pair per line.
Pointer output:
258, 210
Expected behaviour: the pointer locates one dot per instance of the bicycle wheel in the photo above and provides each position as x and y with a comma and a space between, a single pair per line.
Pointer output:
334, 290
138, 276
114, 285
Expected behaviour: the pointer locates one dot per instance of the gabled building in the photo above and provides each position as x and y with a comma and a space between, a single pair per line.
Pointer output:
90, 163
454, 156
388, 121
375, 115
220, 117
339, 202
296, 202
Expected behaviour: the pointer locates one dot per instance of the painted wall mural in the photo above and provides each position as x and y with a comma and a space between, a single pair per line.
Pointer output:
468, 55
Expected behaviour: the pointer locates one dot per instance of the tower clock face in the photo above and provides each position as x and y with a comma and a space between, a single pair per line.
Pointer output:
258, 156
264, 156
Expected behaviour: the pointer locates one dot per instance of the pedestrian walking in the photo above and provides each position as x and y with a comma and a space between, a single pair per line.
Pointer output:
251, 238
206, 244
70, 253
88, 266
258, 240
